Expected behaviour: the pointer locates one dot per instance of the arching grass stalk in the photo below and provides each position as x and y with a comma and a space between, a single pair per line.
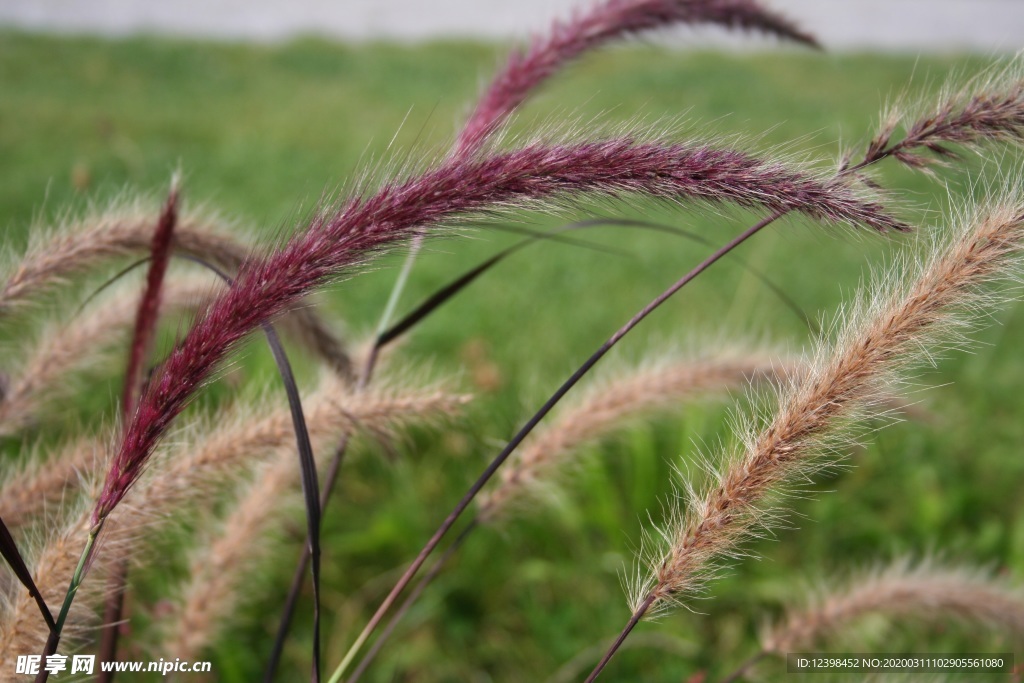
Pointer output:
339, 239
526, 70
995, 112
893, 325
564, 389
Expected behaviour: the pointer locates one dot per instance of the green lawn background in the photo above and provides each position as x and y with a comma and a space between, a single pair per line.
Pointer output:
262, 132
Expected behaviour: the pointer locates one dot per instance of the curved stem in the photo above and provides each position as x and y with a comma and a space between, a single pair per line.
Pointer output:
330, 480
368, 658
630, 625
454, 515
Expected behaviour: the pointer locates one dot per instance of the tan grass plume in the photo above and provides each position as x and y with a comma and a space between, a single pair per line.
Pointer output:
242, 439
903, 590
53, 562
911, 310
655, 386
223, 559
42, 484
183, 475
78, 246
65, 346
925, 591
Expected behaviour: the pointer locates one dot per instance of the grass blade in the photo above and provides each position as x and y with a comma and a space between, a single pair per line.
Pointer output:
307, 462
9, 549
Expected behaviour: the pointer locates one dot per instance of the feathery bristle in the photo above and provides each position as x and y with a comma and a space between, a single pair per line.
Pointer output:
62, 348
81, 245
988, 108
21, 629
43, 484
243, 439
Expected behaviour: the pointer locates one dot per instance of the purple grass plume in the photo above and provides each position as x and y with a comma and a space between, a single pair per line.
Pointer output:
149, 304
605, 22
338, 240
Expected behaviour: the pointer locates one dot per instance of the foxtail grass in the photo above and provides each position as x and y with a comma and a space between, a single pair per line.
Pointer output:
988, 108
146, 481
36, 490
66, 345
220, 564
526, 70
337, 240
77, 246
902, 591
927, 591
898, 323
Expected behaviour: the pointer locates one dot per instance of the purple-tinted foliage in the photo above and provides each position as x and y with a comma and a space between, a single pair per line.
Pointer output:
997, 114
149, 304
605, 22
338, 240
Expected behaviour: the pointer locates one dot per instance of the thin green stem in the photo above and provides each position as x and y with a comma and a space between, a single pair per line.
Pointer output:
400, 282
69, 598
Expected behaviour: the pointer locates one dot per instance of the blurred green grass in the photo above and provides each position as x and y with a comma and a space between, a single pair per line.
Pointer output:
262, 132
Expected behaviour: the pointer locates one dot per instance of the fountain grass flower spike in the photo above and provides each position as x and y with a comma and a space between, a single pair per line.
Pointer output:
339, 240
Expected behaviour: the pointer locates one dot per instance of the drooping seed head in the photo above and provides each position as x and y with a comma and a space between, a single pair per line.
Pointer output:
602, 23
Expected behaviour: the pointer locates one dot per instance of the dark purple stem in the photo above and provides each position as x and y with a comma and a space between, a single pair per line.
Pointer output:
364, 664
299, 577
545, 409
633, 621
